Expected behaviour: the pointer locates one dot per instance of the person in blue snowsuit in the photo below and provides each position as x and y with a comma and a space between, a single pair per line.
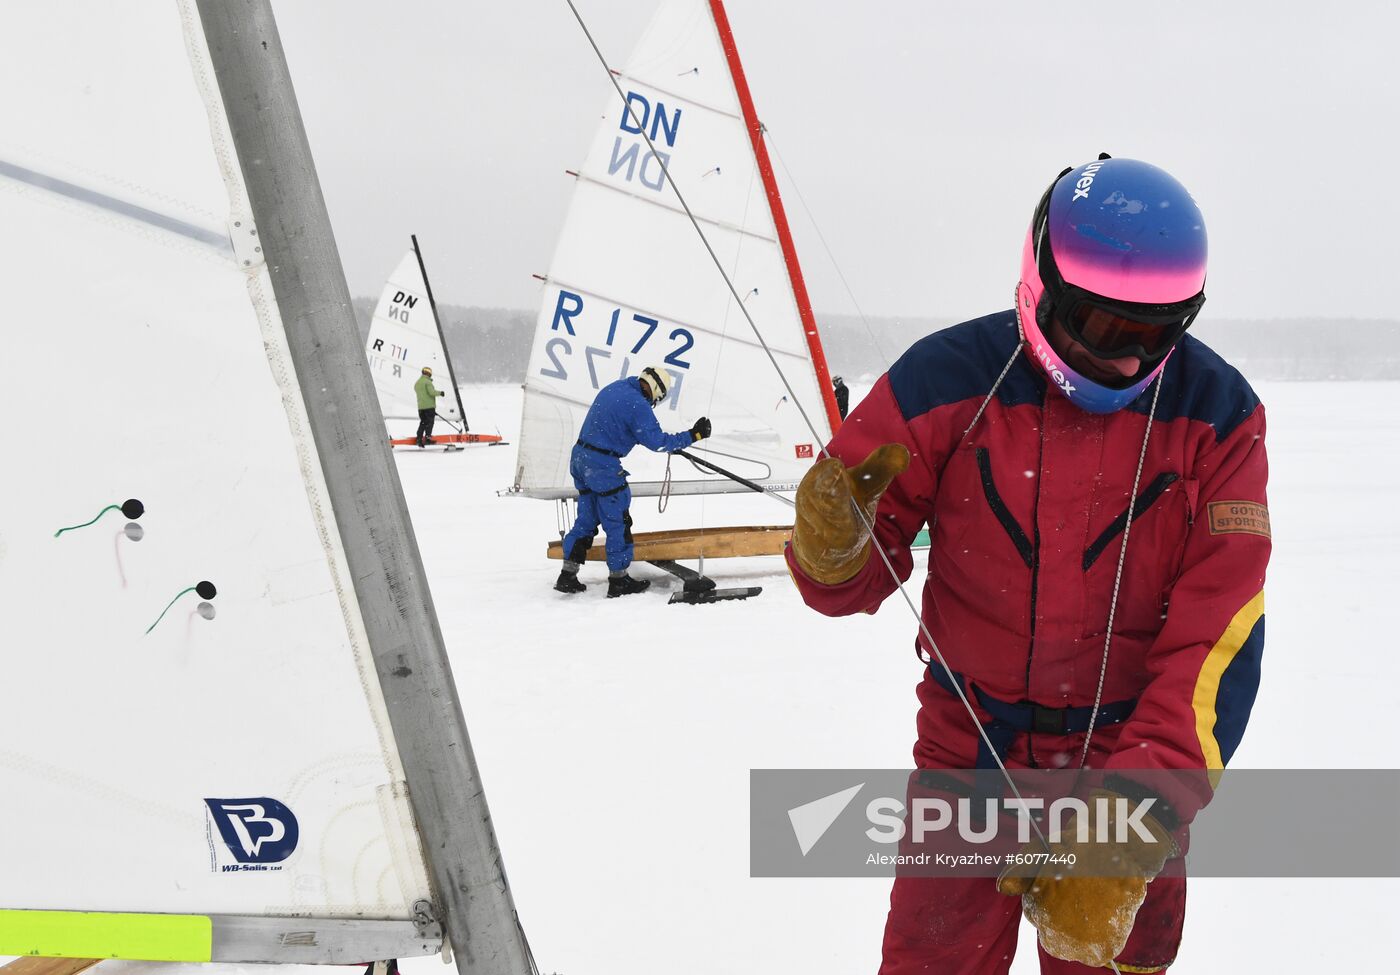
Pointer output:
620, 418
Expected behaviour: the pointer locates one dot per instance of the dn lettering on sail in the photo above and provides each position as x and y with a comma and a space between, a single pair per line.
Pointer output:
630, 156
401, 305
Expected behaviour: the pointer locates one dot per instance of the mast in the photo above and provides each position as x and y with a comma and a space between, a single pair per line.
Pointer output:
775, 204
442, 339
473, 898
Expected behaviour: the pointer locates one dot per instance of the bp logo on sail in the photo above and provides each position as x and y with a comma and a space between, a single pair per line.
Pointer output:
258, 833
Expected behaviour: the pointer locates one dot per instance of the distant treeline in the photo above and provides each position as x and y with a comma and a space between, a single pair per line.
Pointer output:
491, 345
487, 345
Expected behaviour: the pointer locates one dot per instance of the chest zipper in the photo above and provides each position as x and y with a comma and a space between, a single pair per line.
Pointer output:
1144, 501
999, 508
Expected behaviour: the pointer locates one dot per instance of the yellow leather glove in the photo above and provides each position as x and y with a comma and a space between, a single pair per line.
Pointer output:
829, 540
1085, 912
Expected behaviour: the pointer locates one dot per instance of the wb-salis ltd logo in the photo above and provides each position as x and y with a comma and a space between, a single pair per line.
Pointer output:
258, 831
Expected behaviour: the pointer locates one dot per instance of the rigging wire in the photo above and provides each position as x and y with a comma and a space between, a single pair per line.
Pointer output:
724, 327
879, 349
933, 649
729, 303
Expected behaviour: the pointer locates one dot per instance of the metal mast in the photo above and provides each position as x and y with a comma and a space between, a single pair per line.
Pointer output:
473, 898
442, 338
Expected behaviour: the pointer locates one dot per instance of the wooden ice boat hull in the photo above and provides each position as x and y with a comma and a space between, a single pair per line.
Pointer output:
32, 965
694, 543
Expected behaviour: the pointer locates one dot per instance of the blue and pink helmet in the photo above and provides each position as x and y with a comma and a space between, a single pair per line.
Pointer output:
1116, 255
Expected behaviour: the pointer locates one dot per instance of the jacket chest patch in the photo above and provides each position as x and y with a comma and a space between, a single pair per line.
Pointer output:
1246, 517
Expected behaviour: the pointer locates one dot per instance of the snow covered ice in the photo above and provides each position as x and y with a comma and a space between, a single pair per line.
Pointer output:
615, 736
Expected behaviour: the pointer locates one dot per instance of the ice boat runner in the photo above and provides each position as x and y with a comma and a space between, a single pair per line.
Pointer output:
230, 731
631, 283
404, 336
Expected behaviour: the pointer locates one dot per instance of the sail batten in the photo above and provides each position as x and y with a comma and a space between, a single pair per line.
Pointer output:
217, 239
670, 204
678, 96
628, 248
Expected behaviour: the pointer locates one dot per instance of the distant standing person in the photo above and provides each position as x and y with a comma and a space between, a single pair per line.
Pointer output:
427, 405
843, 395
620, 418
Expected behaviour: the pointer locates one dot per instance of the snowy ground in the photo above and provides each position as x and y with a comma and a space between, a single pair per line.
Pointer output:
616, 736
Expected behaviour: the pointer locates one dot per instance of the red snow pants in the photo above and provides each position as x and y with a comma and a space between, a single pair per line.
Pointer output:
962, 925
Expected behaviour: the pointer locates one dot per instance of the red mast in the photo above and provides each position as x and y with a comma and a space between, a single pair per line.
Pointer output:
775, 204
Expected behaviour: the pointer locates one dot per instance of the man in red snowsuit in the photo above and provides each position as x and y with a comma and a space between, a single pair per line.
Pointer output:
1028, 491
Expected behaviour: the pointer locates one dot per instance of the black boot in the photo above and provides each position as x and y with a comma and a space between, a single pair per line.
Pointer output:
625, 585
568, 582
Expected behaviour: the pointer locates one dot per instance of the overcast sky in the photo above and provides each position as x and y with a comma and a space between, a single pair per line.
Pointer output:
920, 134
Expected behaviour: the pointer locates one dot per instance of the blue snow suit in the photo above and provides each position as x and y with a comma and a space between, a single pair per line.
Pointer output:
619, 419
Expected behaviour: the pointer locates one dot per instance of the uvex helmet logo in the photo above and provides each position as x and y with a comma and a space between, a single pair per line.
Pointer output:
257, 830
1052, 369
1086, 180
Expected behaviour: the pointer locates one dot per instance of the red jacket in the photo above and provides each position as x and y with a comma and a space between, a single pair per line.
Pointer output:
1026, 516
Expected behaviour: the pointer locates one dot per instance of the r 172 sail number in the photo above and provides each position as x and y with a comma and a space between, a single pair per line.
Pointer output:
559, 350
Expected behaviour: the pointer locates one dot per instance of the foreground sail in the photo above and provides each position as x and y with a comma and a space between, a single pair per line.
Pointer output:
222, 668
631, 283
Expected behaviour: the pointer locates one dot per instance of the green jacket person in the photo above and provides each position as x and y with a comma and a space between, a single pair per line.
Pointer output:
427, 405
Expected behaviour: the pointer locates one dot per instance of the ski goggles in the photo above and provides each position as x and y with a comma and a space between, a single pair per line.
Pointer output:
1117, 329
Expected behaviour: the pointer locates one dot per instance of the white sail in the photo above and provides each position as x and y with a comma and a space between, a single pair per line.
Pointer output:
168, 751
403, 338
631, 284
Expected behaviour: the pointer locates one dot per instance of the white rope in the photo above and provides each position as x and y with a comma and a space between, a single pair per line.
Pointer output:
1103, 667
992, 392
1118, 575
663, 496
